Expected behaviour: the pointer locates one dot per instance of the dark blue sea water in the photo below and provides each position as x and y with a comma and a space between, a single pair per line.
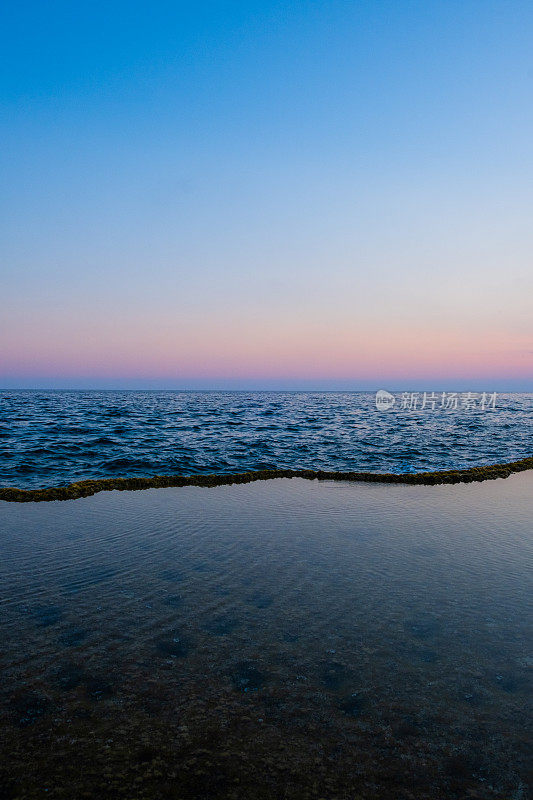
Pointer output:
56, 437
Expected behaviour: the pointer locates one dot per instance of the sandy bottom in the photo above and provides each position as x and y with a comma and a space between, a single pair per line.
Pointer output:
285, 639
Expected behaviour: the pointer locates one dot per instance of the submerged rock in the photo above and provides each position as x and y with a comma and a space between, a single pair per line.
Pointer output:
423, 627
509, 683
28, 707
73, 636
173, 600
221, 626
246, 677
334, 675
98, 688
260, 599
428, 656
354, 704
44, 616
68, 677
174, 646
172, 575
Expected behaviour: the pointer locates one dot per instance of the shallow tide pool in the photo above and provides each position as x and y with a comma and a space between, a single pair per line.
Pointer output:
280, 639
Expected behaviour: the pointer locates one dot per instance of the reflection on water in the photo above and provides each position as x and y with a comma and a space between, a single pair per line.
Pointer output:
283, 639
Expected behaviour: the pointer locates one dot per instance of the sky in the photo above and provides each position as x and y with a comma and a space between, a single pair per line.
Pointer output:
267, 194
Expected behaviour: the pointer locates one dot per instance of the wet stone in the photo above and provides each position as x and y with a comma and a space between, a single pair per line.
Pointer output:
173, 600
8, 787
260, 599
459, 766
172, 576
68, 677
71, 637
28, 707
173, 646
472, 697
423, 627
334, 675
508, 683
353, 705
44, 616
81, 713
221, 626
98, 688
145, 754
289, 637
247, 678
428, 656
406, 728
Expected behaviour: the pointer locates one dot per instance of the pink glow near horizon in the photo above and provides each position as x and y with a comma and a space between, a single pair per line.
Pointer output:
377, 353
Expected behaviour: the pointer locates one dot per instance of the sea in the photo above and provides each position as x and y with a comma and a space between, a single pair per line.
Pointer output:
53, 438
283, 638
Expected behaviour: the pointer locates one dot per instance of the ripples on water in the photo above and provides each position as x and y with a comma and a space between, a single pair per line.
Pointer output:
286, 639
54, 438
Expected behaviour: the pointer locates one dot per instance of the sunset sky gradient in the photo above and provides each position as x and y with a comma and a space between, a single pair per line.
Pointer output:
267, 195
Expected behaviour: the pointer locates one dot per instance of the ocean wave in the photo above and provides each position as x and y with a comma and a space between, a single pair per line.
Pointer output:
68, 436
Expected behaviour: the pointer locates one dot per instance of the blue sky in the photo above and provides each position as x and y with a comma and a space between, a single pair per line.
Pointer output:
253, 194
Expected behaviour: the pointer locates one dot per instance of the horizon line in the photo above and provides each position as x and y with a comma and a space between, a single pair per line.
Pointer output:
376, 388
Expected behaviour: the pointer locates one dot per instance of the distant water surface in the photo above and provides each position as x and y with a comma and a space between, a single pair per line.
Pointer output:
54, 438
